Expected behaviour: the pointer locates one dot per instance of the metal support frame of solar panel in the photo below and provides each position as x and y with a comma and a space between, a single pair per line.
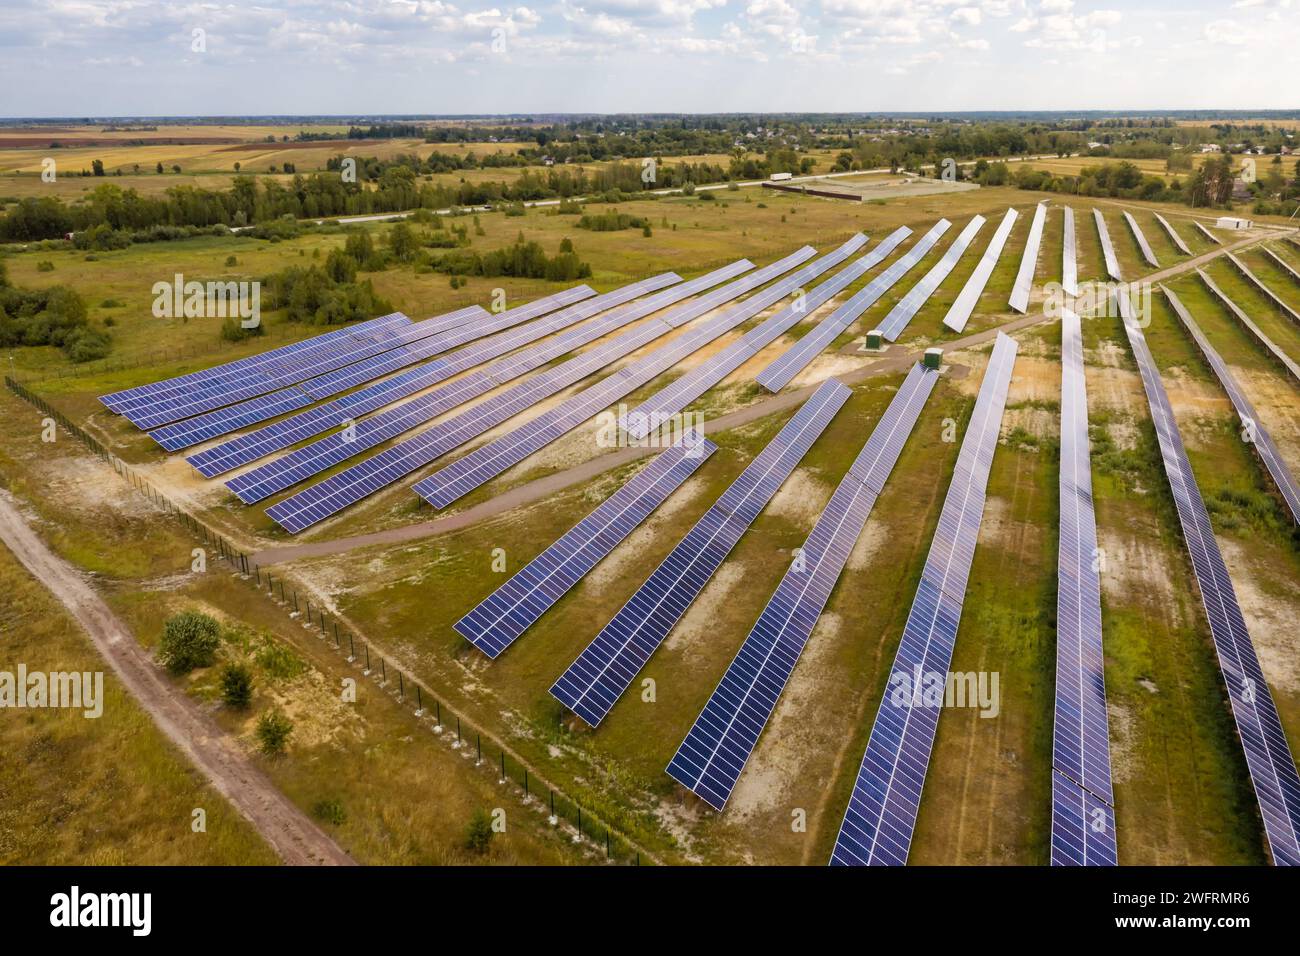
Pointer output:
514, 607
1107, 249
1260, 335
677, 394
1208, 235
881, 815
1140, 237
361, 479
607, 666
1069, 254
1029, 261
1174, 237
261, 368
1080, 735
959, 312
243, 449
779, 373
1264, 290
713, 754
410, 348
1260, 439
1281, 263
482, 464
162, 412
905, 309
115, 400
1268, 757
336, 492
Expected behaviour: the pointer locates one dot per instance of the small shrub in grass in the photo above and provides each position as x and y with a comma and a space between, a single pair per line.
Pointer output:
189, 640
278, 661
331, 811
45, 265
236, 685
273, 732
231, 261
478, 835
111, 304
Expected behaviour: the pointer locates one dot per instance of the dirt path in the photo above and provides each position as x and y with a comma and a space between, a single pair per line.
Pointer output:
290, 833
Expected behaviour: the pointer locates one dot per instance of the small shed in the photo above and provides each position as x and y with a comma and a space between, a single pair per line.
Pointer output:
1232, 222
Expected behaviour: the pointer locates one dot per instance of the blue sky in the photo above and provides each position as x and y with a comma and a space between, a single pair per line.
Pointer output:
142, 57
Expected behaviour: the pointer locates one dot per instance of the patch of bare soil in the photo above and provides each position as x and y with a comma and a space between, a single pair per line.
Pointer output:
700, 618
1270, 618
631, 550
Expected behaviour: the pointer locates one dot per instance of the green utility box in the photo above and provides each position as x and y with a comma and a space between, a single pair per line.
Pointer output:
933, 358
875, 340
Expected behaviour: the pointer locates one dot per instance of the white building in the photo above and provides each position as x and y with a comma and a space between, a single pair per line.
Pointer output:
1232, 222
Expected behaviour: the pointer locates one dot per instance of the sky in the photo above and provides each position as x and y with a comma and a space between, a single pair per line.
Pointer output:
86, 58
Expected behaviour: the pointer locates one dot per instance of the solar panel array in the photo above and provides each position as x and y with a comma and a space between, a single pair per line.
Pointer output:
369, 475
1264, 290
1260, 439
1069, 256
1083, 802
482, 464
1107, 250
1268, 758
881, 815
413, 345
711, 758
604, 670
673, 397
249, 447
514, 607
116, 401
962, 307
1282, 263
906, 308
779, 374
1145, 246
352, 484
1260, 335
1174, 237
1029, 261
1208, 235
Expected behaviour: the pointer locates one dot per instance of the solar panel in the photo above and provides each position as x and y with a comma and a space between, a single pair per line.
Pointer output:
1107, 250
714, 752
881, 815
1260, 336
1259, 439
482, 464
780, 373
1143, 245
906, 308
1174, 237
962, 307
246, 448
1029, 261
514, 607
362, 478
1081, 740
336, 492
1208, 235
1268, 758
1069, 256
1281, 263
677, 394
604, 670
115, 400
1264, 290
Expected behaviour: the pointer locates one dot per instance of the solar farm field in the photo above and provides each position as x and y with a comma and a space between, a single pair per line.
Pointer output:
834, 600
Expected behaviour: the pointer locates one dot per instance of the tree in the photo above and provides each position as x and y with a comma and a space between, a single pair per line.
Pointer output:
238, 166
236, 685
273, 732
97, 167
479, 833
189, 640
401, 239
160, 168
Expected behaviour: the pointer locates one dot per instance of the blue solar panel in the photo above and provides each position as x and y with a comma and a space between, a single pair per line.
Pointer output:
1268, 757
338, 491
676, 395
1107, 250
1029, 261
604, 670
779, 374
1069, 254
892, 325
962, 306
711, 758
1081, 741
481, 465
1262, 289
1174, 237
514, 607
1282, 358
881, 815
1140, 237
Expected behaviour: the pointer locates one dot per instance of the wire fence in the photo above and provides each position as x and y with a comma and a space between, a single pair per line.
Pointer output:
562, 810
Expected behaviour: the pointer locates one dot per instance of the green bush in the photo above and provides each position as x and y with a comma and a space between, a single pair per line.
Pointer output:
331, 811
189, 640
236, 685
273, 732
45, 265
479, 833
